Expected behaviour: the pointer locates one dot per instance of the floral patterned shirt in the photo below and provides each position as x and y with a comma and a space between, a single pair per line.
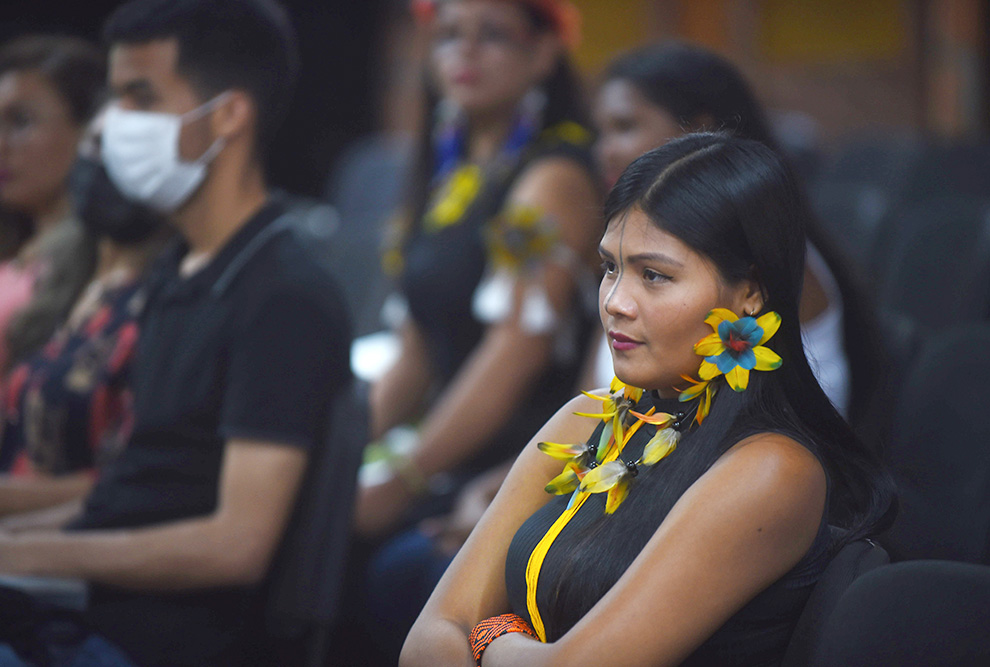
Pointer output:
68, 407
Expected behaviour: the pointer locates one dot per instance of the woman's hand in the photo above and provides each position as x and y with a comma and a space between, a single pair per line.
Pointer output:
381, 506
449, 532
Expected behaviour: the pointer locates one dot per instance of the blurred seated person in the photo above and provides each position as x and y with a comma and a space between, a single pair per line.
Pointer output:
495, 264
489, 259
655, 93
50, 88
67, 409
244, 345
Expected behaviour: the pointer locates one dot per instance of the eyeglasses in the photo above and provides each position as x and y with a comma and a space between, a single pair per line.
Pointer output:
485, 34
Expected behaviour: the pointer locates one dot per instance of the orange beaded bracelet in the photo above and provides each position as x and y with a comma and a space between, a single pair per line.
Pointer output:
492, 628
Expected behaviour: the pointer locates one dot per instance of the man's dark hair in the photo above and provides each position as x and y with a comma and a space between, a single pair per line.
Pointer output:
244, 44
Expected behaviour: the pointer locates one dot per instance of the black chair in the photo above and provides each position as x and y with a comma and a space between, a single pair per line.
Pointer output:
852, 561
851, 216
859, 185
365, 188
923, 613
932, 261
304, 586
938, 450
958, 168
881, 159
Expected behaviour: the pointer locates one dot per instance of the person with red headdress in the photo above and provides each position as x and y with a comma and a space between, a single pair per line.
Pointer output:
493, 259
496, 242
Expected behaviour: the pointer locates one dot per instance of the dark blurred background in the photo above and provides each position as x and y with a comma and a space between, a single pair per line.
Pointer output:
333, 105
830, 69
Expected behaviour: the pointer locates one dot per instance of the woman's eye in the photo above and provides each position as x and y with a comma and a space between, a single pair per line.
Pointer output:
623, 125
651, 276
447, 34
608, 266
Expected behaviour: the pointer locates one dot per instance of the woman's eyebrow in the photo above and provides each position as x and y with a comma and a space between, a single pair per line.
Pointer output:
654, 257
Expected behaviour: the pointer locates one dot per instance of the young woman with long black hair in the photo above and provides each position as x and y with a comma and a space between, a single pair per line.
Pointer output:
660, 91
695, 497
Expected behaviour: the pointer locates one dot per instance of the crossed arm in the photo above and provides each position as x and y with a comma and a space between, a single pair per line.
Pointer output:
739, 528
231, 546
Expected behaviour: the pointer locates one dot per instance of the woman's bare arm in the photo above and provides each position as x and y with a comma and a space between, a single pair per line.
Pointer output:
398, 396
507, 359
473, 587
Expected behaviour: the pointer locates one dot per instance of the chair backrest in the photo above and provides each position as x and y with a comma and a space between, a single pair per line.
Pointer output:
305, 581
922, 613
931, 261
954, 168
938, 450
852, 561
851, 214
881, 159
366, 189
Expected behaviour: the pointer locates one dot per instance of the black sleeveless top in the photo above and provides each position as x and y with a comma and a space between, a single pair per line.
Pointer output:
443, 267
757, 634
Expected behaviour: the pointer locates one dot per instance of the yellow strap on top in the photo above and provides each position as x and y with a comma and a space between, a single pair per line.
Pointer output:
536, 558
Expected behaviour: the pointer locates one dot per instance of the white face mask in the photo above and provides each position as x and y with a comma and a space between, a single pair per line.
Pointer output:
141, 155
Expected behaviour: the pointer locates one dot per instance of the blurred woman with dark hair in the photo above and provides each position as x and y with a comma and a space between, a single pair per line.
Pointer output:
50, 88
65, 406
683, 515
495, 266
497, 237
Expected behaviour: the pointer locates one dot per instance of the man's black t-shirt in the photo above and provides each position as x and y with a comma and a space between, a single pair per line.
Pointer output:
253, 346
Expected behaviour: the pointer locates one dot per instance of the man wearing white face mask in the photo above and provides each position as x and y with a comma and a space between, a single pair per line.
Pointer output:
141, 153
243, 346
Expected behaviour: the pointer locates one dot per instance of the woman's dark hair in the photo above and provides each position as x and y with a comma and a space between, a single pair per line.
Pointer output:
245, 44
703, 90
735, 202
76, 70
564, 102
73, 66
695, 86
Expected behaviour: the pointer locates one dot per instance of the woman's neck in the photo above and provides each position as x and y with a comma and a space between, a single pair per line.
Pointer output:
118, 259
47, 217
487, 133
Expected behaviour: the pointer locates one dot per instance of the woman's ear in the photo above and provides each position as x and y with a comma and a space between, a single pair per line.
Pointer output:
703, 122
751, 298
545, 54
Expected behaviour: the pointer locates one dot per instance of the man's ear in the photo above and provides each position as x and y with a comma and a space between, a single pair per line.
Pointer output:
236, 116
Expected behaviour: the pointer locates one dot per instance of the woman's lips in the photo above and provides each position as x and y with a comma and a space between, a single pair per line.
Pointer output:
466, 78
622, 342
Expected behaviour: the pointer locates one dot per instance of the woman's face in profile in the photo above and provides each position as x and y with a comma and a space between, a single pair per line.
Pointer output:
486, 54
628, 125
654, 296
38, 140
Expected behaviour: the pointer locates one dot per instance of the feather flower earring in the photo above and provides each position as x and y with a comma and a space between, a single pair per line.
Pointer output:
736, 347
